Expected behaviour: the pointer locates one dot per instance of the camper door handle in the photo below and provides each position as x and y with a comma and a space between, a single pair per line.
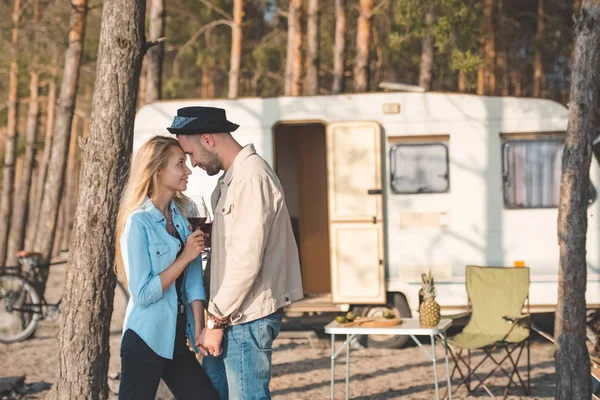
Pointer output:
374, 191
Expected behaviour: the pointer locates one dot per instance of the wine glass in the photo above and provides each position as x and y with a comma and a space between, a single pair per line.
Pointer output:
199, 219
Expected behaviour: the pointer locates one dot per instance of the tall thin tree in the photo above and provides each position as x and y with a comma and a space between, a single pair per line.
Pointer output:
54, 185
538, 67
43, 165
154, 66
363, 42
83, 339
486, 75
340, 47
571, 354
236, 48
293, 68
19, 221
10, 155
311, 82
426, 66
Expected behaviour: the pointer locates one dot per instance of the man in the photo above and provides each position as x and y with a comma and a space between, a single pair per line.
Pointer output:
255, 270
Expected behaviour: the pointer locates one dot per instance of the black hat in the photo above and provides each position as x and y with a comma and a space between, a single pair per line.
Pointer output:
196, 120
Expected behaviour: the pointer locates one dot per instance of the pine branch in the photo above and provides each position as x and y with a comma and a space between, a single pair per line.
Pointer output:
217, 9
195, 36
153, 43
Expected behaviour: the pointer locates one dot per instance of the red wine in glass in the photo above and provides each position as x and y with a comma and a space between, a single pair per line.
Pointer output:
207, 229
197, 222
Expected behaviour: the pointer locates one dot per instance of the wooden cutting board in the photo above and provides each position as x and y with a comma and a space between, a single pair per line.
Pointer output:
375, 322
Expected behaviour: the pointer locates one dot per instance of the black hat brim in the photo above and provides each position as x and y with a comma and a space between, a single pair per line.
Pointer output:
226, 126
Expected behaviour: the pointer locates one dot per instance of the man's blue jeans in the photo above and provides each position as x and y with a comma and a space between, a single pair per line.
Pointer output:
243, 371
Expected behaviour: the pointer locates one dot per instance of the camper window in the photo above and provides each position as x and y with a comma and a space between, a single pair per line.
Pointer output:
531, 173
419, 168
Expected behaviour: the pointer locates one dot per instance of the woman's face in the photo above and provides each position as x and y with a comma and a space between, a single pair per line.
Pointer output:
174, 176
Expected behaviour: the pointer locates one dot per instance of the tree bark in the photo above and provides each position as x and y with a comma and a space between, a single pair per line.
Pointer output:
538, 72
363, 39
571, 354
311, 83
43, 165
155, 53
502, 73
293, 66
10, 155
53, 187
340, 47
489, 47
426, 66
576, 7
236, 49
462, 82
83, 340
70, 197
19, 222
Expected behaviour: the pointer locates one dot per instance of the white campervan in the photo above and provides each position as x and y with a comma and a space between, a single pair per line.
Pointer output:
382, 187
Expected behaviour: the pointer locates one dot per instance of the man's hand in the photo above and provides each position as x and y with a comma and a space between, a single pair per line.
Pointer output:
199, 339
213, 339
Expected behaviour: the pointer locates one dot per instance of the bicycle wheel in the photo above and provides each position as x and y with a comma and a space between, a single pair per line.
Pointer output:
119, 307
20, 309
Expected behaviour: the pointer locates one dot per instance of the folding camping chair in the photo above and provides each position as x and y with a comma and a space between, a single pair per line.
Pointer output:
494, 293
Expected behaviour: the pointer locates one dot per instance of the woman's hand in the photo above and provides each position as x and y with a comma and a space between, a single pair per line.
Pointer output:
193, 247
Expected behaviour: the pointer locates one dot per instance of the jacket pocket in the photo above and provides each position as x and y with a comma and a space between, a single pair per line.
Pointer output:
225, 209
161, 257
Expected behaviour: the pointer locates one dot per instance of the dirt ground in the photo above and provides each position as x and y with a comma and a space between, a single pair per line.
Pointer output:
301, 369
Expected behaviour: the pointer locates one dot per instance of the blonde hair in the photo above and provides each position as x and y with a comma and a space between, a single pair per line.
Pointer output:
143, 181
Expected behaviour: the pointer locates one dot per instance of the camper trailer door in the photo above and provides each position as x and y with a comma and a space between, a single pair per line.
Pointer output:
355, 212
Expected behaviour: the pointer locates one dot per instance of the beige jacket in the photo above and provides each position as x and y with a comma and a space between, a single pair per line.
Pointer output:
255, 268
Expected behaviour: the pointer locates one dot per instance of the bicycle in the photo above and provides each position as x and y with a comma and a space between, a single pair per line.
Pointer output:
23, 305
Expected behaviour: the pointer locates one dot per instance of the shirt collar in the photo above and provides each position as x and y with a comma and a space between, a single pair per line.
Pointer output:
151, 208
246, 152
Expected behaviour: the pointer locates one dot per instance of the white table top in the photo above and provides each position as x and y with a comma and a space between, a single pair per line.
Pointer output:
409, 326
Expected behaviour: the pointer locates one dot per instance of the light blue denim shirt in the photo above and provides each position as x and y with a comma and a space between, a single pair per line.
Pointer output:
148, 249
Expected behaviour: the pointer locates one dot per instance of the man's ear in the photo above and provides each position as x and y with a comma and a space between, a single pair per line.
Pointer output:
207, 140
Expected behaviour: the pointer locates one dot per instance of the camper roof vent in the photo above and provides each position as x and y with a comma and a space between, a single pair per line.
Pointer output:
401, 87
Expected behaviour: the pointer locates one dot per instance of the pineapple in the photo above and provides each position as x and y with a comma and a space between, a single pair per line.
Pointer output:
429, 310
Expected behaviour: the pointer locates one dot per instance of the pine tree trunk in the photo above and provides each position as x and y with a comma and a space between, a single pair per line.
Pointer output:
571, 354
43, 165
516, 80
10, 155
156, 53
54, 185
502, 73
294, 55
142, 89
538, 72
70, 198
489, 48
311, 83
84, 337
363, 39
21, 209
462, 81
426, 66
236, 49
60, 230
340, 47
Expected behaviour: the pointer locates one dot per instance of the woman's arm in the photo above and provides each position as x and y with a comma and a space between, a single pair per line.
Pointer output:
198, 311
192, 249
144, 286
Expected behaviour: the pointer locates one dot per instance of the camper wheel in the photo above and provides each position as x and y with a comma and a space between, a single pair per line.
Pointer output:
396, 302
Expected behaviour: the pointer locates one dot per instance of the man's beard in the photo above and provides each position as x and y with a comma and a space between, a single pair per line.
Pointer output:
213, 165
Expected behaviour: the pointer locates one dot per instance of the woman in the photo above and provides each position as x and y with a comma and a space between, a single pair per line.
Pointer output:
159, 259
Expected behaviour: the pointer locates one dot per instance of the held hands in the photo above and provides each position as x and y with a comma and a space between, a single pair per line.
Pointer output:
194, 246
209, 342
